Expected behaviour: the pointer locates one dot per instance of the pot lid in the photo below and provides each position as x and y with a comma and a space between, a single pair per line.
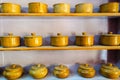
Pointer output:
13, 67
38, 66
61, 67
110, 34
32, 35
59, 35
85, 67
110, 66
10, 35
84, 34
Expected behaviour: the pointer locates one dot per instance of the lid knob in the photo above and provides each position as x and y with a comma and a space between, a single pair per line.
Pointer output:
84, 33
10, 34
86, 65
33, 34
110, 32
38, 65
58, 34
110, 64
13, 65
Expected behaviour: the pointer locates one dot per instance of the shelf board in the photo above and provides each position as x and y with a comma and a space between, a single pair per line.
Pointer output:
98, 47
60, 14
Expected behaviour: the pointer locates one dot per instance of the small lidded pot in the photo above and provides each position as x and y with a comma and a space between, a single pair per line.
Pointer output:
10, 8
86, 71
61, 8
61, 71
110, 39
37, 7
111, 7
33, 40
38, 71
13, 72
110, 71
84, 8
10, 40
84, 40
59, 40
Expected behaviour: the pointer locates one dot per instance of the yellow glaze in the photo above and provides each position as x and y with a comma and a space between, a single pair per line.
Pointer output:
61, 8
59, 40
10, 40
33, 40
110, 71
84, 8
86, 71
38, 71
84, 40
111, 7
13, 72
10, 8
37, 7
61, 71
110, 39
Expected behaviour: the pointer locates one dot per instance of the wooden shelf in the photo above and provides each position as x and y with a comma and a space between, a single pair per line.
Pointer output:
60, 14
62, 48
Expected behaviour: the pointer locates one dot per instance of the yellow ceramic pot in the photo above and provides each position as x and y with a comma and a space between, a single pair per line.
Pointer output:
59, 40
110, 39
84, 8
10, 8
86, 71
61, 71
10, 40
37, 7
110, 71
13, 72
84, 40
61, 8
33, 40
111, 7
38, 71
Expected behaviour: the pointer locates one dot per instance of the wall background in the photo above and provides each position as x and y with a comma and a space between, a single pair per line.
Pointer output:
45, 26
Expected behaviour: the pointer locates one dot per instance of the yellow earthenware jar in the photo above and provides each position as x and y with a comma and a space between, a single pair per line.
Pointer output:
86, 71
111, 7
10, 8
61, 71
110, 71
61, 8
37, 7
84, 8
59, 40
13, 71
33, 40
38, 71
84, 40
110, 39
10, 40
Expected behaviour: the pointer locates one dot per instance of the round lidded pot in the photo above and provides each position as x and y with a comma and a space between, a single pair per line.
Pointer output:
86, 71
10, 8
38, 71
84, 8
110, 39
13, 71
59, 40
37, 7
33, 40
10, 40
110, 71
84, 40
61, 71
61, 8
111, 7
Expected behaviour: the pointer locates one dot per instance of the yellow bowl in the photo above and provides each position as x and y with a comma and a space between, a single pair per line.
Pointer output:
59, 40
111, 7
61, 8
84, 40
10, 8
84, 8
37, 7
33, 40
10, 40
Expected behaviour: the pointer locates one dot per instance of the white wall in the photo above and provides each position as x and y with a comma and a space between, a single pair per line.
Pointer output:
46, 26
